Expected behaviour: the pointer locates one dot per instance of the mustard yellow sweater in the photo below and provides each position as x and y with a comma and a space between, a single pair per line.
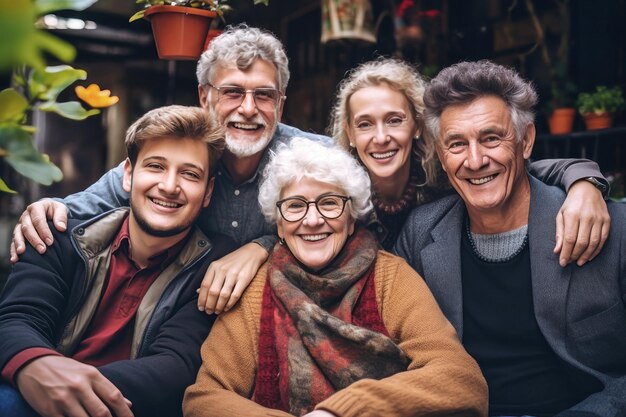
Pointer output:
442, 379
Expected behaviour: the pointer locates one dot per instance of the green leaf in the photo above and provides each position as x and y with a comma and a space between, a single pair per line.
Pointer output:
137, 15
5, 188
64, 51
47, 6
16, 29
71, 109
12, 106
25, 159
54, 80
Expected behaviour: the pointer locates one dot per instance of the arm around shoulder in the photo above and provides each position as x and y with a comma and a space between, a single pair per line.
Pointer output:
104, 195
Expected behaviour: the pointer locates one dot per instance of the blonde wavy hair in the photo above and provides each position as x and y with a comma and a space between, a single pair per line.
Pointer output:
401, 77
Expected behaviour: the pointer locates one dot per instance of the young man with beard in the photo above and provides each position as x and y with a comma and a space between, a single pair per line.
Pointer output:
105, 322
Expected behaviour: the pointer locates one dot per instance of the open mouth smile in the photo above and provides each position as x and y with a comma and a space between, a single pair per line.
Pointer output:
165, 204
246, 126
315, 238
378, 155
483, 180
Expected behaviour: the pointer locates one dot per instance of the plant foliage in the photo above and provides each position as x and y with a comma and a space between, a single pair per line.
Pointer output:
218, 6
603, 100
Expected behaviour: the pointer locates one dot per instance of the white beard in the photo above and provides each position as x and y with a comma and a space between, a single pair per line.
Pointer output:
245, 149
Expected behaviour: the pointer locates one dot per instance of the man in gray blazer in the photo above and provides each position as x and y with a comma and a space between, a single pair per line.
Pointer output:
550, 340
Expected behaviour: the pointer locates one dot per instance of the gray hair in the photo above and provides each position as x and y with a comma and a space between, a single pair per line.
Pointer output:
242, 45
464, 82
399, 76
304, 158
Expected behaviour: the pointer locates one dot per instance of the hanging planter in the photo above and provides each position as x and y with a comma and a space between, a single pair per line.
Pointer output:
213, 33
179, 32
347, 19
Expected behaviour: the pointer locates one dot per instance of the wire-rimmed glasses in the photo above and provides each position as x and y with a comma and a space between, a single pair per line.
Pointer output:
265, 98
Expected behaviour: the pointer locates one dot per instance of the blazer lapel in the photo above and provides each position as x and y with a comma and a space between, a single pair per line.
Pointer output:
550, 281
442, 265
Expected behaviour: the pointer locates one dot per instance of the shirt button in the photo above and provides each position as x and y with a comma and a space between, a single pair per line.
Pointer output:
235, 224
380, 229
236, 192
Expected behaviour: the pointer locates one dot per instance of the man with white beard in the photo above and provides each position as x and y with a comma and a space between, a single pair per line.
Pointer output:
242, 79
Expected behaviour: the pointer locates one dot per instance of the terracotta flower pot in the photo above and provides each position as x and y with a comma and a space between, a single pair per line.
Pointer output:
213, 33
595, 121
179, 32
561, 120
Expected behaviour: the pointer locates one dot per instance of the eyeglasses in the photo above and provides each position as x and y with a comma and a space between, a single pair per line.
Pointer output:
264, 98
330, 206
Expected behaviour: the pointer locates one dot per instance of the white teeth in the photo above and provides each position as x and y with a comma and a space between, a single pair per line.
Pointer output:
245, 126
478, 181
313, 238
383, 155
165, 204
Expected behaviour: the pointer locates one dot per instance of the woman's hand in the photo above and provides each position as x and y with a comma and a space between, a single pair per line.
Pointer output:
582, 224
228, 277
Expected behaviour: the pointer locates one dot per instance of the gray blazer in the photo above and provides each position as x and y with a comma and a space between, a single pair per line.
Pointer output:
581, 311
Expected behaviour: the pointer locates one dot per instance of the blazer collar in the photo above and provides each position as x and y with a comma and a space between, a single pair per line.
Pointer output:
550, 281
442, 264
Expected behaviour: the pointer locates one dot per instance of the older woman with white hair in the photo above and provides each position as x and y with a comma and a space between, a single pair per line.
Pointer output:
331, 325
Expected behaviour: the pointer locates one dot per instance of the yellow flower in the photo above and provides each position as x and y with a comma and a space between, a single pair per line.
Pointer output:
95, 97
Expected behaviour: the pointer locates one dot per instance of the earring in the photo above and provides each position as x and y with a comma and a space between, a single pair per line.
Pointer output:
281, 241
417, 138
351, 145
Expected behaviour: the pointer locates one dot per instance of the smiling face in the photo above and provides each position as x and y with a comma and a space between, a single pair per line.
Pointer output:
168, 186
248, 129
315, 241
382, 130
484, 162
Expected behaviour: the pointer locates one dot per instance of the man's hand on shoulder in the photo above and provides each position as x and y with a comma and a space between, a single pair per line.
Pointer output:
228, 277
582, 224
33, 226
60, 386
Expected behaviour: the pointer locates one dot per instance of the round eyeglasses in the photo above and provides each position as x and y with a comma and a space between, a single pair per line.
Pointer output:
264, 98
330, 206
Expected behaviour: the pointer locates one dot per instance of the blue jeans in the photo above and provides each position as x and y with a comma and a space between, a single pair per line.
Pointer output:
12, 404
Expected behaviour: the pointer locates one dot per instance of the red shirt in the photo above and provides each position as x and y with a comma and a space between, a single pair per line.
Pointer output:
108, 337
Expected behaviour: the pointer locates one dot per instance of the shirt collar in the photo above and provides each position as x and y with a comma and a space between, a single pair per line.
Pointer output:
123, 244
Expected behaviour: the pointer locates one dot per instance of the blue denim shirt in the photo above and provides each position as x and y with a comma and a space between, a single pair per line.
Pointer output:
234, 209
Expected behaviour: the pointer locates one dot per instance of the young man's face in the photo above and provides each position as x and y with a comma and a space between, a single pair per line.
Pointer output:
249, 124
168, 185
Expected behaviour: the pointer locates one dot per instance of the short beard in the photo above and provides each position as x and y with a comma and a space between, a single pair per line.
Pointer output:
243, 150
151, 231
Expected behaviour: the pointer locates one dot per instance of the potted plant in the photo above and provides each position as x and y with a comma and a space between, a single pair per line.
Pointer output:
597, 108
561, 105
180, 27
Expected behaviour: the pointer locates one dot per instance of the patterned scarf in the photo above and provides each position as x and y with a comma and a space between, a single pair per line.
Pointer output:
321, 332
